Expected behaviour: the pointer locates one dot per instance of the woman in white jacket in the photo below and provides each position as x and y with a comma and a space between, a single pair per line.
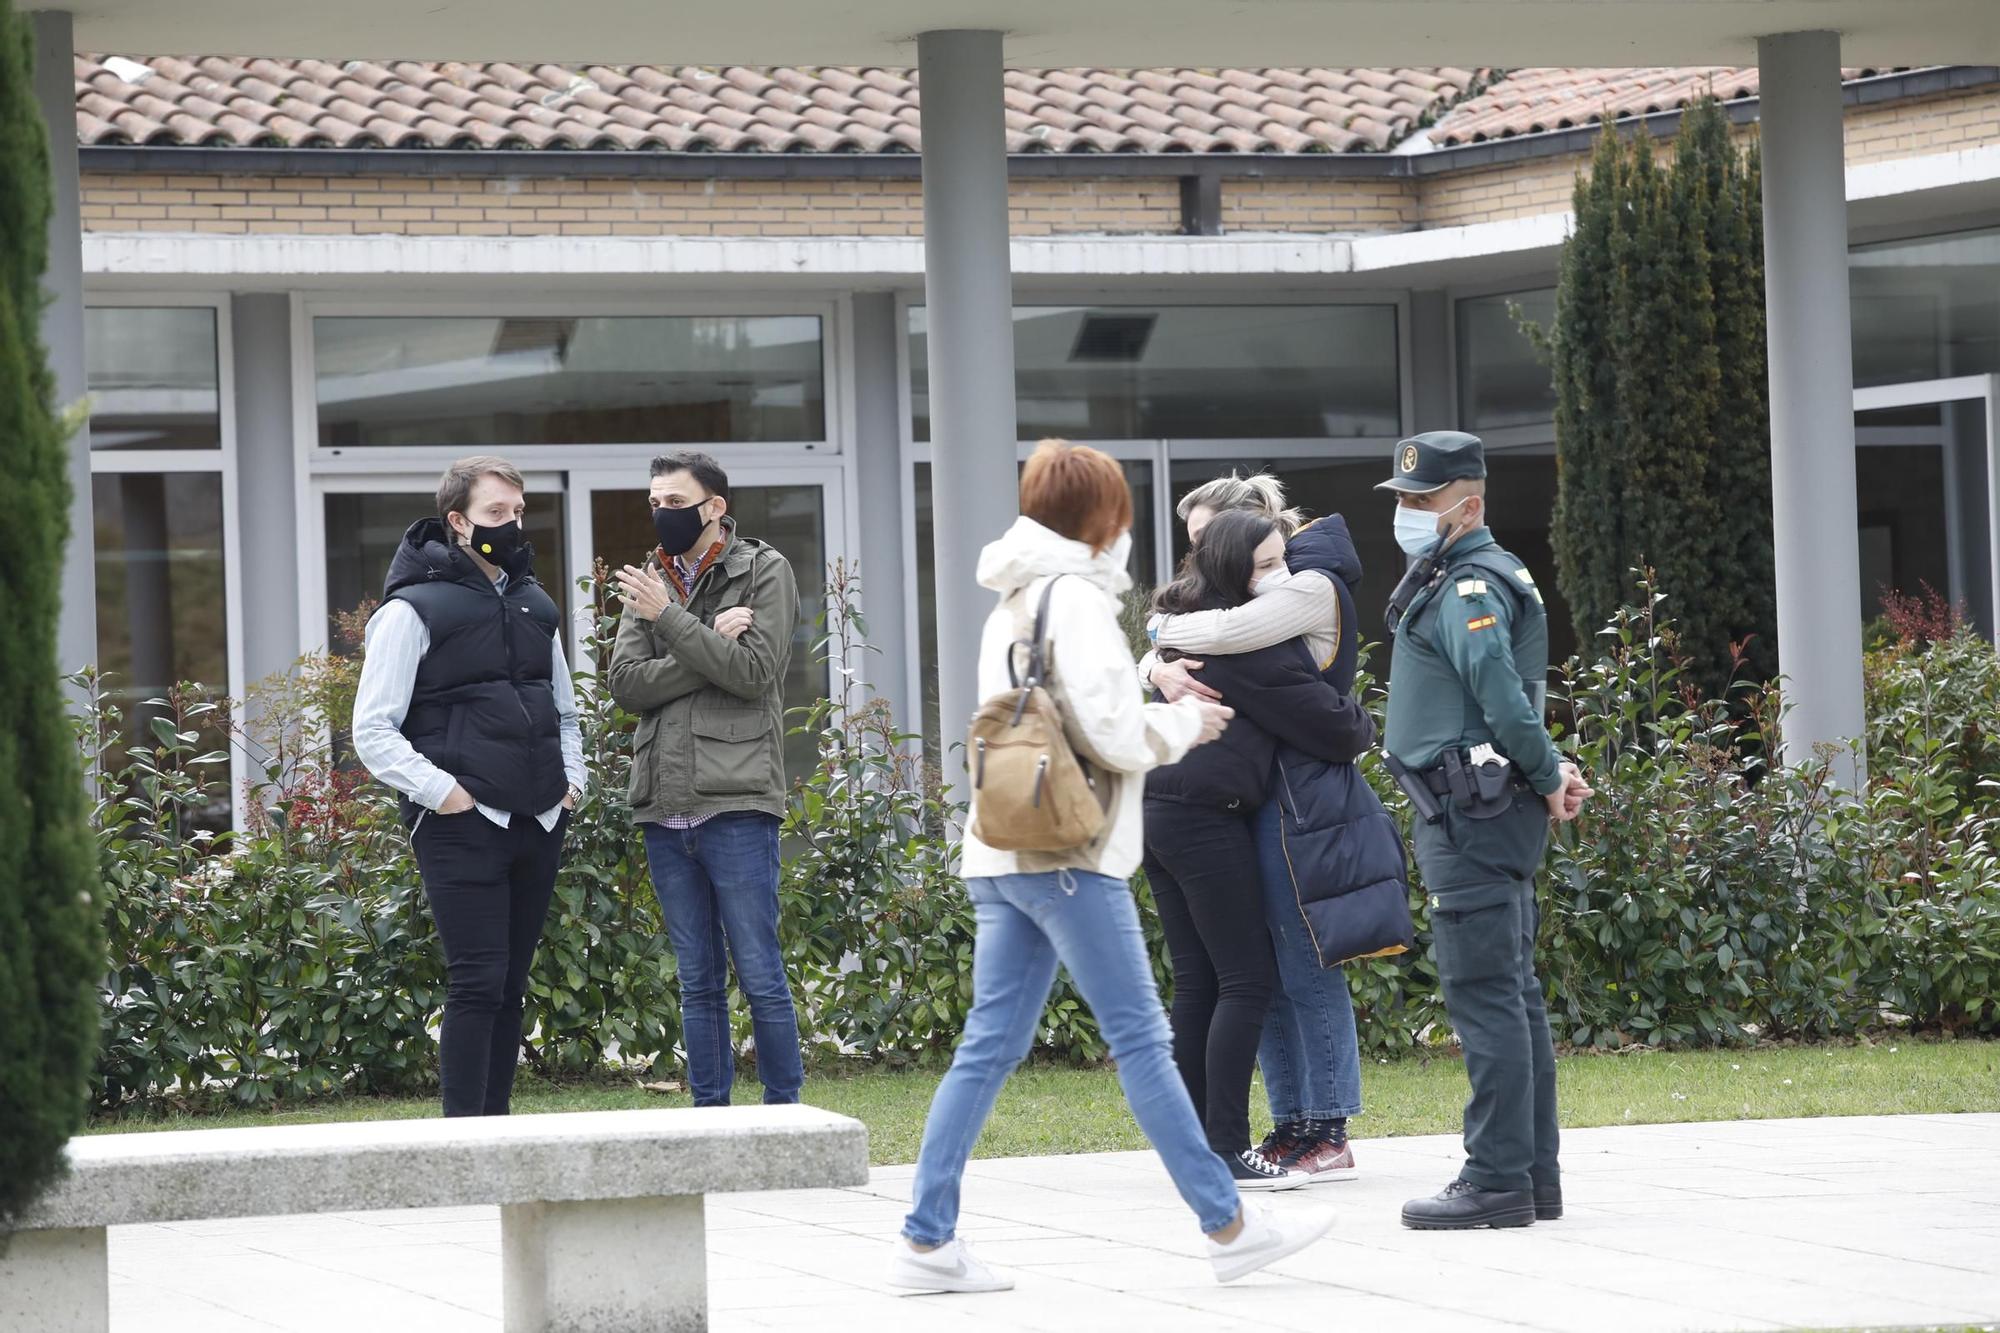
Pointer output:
1036, 911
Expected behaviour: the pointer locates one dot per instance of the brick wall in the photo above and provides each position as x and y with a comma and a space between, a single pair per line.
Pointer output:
1917, 128
1304, 205
539, 206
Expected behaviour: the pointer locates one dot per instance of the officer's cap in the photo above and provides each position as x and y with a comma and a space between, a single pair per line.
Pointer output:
1435, 459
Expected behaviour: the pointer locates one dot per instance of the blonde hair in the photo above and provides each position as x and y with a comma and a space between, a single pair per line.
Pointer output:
1261, 493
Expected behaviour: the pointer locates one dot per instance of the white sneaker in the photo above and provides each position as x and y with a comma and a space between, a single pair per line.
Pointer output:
950, 1267
1266, 1239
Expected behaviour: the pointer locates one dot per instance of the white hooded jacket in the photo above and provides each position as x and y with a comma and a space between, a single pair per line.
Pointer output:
1091, 676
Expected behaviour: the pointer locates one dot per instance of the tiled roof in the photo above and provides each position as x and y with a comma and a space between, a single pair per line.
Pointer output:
226, 102
1531, 101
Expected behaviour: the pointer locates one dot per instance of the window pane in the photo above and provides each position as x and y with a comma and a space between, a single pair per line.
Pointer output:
1193, 372
161, 601
152, 377
790, 518
1501, 380
1138, 476
363, 530
1926, 309
493, 381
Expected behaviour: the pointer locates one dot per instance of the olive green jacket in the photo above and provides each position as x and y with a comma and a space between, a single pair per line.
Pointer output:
711, 736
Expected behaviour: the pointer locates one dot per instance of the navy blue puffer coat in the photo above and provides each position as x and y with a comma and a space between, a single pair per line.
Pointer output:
1344, 851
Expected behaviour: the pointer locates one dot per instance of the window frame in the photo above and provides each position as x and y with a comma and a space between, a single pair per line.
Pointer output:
222, 461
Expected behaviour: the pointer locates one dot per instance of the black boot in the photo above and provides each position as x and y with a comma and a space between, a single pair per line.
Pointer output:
1462, 1206
1548, 1203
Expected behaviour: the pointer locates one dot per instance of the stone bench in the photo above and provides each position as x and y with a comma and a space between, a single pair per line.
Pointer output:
601, 1217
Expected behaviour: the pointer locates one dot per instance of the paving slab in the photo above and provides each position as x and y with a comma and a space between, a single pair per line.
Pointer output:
1741, 1225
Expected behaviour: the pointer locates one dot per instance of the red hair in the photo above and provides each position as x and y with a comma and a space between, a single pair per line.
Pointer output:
1077, 492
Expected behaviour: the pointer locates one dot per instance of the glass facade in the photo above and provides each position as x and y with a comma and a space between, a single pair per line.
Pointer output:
498, 381
162, 617
1194, 372
153, 377
1927, 308
1502, 379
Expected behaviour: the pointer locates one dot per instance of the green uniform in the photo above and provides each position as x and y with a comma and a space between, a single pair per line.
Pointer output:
1469, 667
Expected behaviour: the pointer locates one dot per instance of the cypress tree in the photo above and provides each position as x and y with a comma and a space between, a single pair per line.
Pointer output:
50, 957
1662, 433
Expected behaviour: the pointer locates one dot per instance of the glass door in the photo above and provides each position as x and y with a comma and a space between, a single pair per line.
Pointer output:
1925, 477
800, 510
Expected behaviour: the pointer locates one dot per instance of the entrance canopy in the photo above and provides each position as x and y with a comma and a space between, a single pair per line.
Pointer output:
1119, 34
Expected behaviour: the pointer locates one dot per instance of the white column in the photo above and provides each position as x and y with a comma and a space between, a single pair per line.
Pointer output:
62, 323
1812, 397
968, 292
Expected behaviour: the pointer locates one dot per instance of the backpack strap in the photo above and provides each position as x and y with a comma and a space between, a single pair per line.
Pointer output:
1036, 643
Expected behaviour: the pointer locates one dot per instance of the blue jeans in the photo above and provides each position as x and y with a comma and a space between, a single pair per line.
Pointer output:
718, 890
1027, 924
1309, 1055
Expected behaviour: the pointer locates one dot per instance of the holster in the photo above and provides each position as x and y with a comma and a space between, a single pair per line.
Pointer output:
1421, 797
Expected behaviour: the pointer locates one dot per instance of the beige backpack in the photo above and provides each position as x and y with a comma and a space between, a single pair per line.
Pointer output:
1032, 791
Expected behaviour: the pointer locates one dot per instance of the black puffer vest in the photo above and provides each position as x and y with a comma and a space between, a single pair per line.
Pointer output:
484, 707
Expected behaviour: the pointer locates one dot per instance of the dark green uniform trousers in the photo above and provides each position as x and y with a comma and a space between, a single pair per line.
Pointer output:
1480, 875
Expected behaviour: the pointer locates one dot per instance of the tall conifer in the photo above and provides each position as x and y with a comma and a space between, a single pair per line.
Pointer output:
50, 957
1662, 431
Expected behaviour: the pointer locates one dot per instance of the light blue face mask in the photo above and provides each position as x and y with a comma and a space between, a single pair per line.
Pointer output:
1417, 529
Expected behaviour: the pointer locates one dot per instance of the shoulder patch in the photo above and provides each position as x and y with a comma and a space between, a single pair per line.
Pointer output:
1472, 587
1478, 623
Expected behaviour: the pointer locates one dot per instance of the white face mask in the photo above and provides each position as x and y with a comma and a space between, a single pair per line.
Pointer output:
1417, 529
1271, 582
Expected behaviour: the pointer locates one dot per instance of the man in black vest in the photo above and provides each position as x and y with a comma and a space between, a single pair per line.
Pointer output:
466, 708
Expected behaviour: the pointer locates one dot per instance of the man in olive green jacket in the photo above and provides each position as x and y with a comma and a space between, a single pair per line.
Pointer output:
701, 656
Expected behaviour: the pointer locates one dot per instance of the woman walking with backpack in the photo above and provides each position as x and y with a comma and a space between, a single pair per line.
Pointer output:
1201, 841
1036, 910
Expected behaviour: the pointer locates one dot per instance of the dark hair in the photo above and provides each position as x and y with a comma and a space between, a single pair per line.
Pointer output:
455, 487
698, 465
1216, 573
1077, 492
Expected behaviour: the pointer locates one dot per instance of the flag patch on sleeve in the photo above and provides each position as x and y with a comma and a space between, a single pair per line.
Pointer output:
1478, 623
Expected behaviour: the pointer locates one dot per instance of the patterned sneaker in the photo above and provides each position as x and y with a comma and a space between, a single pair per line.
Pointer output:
1254, 1171
1282, 1140
1323, 1155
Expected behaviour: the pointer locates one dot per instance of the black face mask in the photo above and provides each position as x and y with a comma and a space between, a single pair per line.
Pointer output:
496, 546
678, 529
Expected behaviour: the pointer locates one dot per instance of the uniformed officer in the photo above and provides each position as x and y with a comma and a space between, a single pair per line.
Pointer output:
1467, 741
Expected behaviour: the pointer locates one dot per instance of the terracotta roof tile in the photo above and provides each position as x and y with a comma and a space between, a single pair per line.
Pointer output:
223, 101
1536, 101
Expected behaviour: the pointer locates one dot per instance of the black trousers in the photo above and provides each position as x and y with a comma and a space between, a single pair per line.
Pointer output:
489, 889
1202, 864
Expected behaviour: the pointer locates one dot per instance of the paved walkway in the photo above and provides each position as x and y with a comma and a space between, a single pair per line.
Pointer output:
1748, 1225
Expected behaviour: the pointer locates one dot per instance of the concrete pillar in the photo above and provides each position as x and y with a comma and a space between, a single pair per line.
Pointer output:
607, 1265
884, 498
1812, 397
1431, 356
62, 323
267, 520
968, 292
56, 1281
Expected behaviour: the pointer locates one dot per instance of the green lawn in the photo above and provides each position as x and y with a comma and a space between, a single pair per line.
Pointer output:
1050, 1110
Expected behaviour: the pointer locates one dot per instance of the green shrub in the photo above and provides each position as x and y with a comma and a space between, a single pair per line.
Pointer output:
1706, 899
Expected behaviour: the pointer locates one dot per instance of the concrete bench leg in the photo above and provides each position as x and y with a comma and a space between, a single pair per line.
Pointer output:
605, 1266
55, 1282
